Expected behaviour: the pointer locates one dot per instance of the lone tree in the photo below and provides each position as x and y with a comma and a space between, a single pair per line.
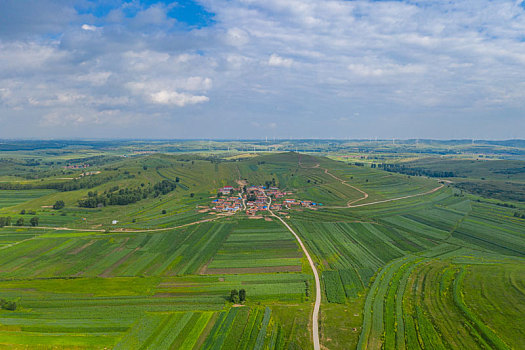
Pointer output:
34, 221
5, 221
234, 296
242, 295
59, 205
20, 222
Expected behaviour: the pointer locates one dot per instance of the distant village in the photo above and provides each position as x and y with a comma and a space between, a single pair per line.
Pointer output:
255, 199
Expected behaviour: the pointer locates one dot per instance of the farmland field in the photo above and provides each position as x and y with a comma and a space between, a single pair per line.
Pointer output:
409, 268
10, 198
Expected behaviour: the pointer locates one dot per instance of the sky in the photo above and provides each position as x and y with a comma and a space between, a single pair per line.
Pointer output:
262, 68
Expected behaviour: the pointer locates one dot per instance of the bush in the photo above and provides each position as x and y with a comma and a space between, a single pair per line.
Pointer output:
34, 221
234, 296
59, 205
242, 295
7, 305
5, 221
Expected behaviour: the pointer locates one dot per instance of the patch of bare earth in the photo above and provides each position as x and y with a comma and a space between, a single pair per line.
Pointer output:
203, 268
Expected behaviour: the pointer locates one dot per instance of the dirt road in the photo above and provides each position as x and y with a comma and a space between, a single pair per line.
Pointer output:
350, 204
317, 305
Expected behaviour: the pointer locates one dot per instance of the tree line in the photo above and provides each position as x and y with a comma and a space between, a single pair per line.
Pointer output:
7, 221
396, 168
125, 196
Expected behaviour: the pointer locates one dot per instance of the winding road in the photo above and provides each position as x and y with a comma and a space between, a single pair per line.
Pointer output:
350, 204
317, 305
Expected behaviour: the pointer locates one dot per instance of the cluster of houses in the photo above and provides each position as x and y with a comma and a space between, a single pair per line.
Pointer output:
227, 201
255, 199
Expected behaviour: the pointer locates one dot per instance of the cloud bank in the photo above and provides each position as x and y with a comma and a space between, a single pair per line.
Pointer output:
256, 68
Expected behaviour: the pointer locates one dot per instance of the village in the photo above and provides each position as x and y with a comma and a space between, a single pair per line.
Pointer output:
256, 199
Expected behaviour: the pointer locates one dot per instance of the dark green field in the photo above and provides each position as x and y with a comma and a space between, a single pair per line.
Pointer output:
412, 264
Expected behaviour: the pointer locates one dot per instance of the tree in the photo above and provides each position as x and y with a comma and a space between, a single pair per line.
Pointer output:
2, 221
34, 221
192, 195
242, 295
59, 205
23, 212
20, 222
163, 211
234, 296
7, 305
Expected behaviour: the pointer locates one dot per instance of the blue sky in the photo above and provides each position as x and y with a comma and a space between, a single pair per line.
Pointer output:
257, 68
189, 13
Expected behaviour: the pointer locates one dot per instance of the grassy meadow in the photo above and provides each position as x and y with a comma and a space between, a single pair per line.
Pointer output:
443, 270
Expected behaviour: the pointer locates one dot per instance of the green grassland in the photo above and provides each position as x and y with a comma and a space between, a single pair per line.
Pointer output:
440, 270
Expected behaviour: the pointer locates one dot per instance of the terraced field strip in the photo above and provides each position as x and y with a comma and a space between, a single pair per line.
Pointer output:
383, 323
344, 182
388, 200
350, 204
317, 305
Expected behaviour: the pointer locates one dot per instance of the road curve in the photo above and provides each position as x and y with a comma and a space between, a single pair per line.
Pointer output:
317, 305
350, 204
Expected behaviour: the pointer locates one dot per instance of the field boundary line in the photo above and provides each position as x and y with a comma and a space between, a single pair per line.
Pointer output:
121, 230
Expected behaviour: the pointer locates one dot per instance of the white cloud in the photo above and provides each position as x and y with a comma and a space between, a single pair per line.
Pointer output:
62, 119
237, 37
176, 98
89, 27
198, 83
278, 61
95, 78
384, 69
